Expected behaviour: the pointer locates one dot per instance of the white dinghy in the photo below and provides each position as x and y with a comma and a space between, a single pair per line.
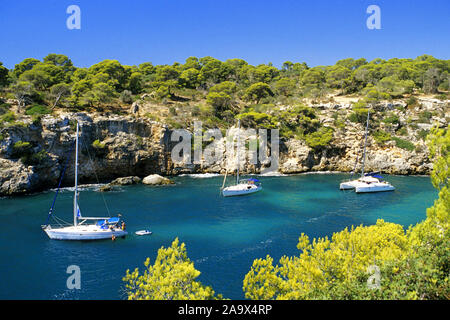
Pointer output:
102, 228
143, 232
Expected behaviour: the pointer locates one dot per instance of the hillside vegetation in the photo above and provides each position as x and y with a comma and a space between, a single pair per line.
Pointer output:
217, 92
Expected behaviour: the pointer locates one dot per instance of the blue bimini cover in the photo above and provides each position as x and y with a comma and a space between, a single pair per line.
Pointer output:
101, 222
113, 220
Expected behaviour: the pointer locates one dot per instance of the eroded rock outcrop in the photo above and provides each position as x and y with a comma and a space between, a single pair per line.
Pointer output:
156, 180
130, 148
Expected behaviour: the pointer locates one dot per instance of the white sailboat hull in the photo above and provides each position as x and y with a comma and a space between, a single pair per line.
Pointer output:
373, 187
348, 185
240, 190
83, 232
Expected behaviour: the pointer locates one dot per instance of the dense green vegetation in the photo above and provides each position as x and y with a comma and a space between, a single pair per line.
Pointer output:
411, 265
171, 277
218, 92
55, 81
382, 261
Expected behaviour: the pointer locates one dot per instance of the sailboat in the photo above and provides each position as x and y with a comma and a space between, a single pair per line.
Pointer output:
244, 186
101, 228
367, 182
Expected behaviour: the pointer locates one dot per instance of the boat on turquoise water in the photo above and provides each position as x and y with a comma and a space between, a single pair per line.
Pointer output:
81, 229
367, 182
376, 186
370, 182
352, 184
244, 186
143, 232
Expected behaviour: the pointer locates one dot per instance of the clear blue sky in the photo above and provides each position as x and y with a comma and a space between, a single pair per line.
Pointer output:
318, 32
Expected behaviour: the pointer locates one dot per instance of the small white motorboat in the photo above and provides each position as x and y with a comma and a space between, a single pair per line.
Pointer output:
143, 232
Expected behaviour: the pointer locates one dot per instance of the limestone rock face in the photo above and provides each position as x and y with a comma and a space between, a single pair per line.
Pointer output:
127, 148
15, 178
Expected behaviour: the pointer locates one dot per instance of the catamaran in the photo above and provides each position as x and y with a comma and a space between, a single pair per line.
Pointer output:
102, 228
244, 186
367, 182
375, 186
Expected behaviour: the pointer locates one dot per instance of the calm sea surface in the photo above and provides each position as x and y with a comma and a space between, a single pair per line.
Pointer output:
222, 235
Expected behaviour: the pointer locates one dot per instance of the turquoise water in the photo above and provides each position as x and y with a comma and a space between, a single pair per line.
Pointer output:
223, 235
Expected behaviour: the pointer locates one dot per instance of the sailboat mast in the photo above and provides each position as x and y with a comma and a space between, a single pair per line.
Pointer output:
75, 197
365, 144
238, 147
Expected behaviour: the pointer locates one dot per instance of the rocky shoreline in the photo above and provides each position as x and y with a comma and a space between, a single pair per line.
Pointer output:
34, 153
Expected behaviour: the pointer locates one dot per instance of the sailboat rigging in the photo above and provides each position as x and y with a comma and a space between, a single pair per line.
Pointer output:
244, 186
102, 228
367, 182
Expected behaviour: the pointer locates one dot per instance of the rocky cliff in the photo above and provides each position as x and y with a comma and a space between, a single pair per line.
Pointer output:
33, 154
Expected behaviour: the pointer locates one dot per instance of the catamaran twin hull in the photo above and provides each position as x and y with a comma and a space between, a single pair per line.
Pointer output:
375, 187
348, 185
84, 232
366, 188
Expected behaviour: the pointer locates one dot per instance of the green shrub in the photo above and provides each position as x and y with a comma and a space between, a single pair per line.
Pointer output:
412, 101
425, 117
195, 111
359, 114
8, 117
173, 124
220, 101
98, 145
423, 134
402, 131
37, 109
256, 119
21, 145
21, 148
392, 119
298, 121
404, 144
442, 96
374, 95
4, 107
172, 110
126, 97
381, 137
34, 159
319, 139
